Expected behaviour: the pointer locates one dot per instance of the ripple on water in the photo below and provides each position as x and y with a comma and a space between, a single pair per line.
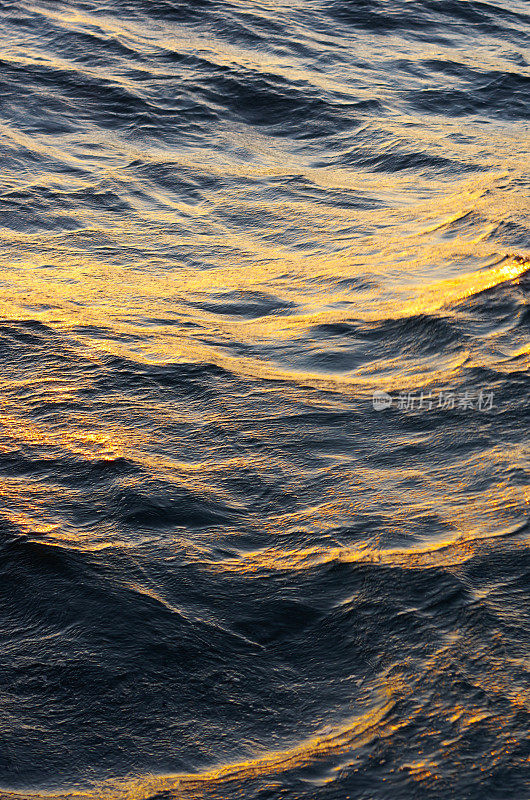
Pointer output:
224, 574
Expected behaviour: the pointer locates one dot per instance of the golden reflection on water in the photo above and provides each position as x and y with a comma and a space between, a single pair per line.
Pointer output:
330, 744
428, 556
124, 284
156, 315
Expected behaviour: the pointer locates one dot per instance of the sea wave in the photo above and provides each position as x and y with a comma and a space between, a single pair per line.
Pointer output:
223, 226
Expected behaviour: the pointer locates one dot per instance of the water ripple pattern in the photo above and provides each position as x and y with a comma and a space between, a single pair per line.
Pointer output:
226, 573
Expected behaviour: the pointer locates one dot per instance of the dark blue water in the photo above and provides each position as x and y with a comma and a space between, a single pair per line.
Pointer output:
224, 573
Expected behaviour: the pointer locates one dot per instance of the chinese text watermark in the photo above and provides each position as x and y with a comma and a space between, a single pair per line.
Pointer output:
443, 400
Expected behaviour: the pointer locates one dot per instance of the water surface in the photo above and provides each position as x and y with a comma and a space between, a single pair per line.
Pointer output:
223, 226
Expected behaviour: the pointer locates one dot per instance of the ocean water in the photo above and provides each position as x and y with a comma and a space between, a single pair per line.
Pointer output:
224, 572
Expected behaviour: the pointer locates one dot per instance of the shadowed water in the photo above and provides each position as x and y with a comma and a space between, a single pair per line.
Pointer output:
223, 226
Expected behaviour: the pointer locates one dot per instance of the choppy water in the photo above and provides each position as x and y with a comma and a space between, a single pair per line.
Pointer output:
224, 224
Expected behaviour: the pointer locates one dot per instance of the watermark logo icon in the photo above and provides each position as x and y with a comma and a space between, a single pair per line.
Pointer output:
381, 400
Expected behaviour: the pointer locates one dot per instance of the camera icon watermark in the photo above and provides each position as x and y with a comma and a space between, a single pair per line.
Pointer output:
381, 400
